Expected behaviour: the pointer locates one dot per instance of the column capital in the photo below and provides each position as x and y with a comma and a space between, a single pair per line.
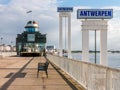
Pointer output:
64, 14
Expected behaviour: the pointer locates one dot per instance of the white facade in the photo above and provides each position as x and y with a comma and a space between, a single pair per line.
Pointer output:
7, 48
50, 49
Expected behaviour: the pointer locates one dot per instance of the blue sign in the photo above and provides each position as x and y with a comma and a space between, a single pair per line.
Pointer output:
65, 9
94, 13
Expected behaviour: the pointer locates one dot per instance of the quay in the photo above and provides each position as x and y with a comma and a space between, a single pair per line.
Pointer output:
20, 73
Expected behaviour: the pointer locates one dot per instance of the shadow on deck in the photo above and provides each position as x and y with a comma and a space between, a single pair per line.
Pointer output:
25, 78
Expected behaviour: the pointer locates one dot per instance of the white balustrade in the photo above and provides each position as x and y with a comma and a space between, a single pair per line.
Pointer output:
90, 76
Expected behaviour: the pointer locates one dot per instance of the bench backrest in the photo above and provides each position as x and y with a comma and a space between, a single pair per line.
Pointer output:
43, 66
46, 64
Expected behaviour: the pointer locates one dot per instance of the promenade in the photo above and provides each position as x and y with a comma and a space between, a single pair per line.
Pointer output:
20, 73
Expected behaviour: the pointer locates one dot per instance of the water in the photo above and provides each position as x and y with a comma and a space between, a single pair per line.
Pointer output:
113, 58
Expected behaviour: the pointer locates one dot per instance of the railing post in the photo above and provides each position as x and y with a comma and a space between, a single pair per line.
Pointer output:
108, 79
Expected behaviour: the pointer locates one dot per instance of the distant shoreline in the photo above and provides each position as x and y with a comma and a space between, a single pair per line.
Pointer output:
76, 51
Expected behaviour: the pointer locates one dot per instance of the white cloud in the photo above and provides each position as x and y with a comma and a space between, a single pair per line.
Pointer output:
13, 19
114, 29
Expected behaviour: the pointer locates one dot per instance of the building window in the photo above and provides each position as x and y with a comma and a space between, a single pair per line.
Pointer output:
31, 37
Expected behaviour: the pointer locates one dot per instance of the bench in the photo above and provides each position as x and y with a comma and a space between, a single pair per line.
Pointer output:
43, 67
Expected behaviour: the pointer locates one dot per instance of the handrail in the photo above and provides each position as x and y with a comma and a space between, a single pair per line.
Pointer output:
90, 76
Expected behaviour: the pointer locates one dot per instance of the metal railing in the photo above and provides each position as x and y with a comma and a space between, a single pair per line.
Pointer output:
90, 76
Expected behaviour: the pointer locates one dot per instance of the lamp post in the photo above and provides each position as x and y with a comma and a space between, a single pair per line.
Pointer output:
1, 44
11, 48
30, 12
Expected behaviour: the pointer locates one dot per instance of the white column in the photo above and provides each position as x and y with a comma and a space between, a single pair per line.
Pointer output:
69, 36
60, 35
103, 47
85, 45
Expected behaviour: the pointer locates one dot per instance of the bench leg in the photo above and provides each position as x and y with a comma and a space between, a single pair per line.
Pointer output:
37, 73
46, 73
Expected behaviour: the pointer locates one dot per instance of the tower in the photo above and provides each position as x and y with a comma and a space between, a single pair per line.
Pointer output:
31, 41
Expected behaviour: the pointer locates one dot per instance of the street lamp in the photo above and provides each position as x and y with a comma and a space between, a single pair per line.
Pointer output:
11, 48
1, 44
1, 40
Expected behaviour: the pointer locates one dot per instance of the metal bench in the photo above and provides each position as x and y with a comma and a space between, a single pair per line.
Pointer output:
43, 67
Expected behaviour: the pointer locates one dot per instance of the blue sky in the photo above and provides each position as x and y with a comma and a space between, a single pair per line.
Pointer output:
90, 3
4, 1
72, 3
14, 18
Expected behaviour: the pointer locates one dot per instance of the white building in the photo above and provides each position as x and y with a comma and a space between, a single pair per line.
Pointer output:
50, 49
7, 48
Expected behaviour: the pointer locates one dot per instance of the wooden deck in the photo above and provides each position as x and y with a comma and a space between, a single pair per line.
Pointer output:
20, 73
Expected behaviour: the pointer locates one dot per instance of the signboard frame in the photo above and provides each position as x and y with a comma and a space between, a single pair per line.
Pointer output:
64, 9
94, 13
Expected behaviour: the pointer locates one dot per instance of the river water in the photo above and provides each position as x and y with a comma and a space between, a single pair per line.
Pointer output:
113, 58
